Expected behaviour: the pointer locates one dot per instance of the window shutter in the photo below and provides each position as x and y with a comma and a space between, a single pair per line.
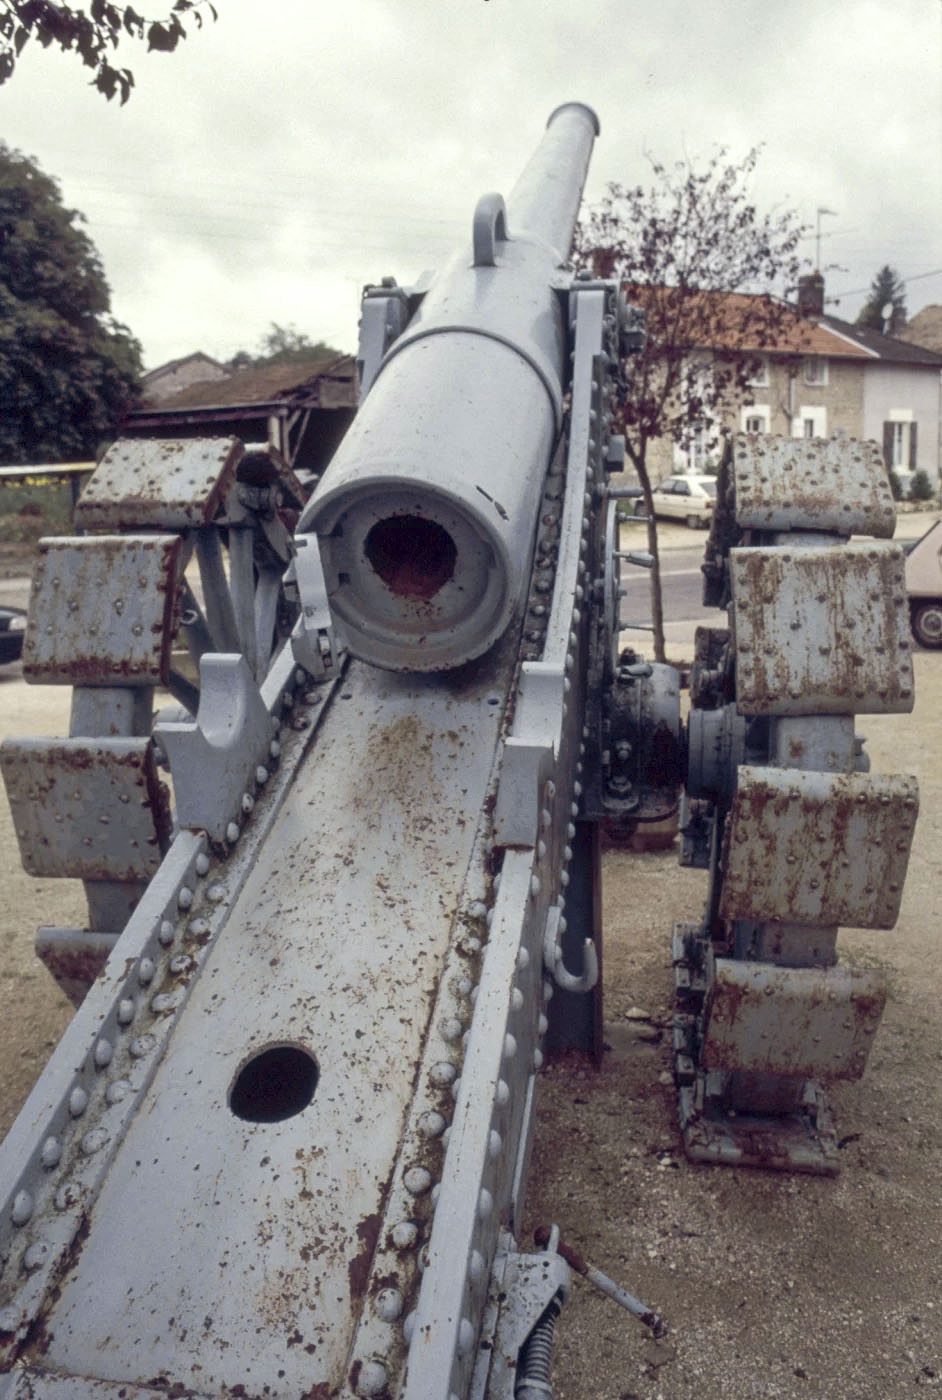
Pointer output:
888, 445
912, 447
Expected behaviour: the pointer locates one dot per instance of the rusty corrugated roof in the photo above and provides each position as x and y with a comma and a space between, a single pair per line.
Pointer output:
269, 385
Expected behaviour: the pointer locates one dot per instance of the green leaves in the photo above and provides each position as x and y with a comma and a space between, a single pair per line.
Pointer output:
93, 33
68, 371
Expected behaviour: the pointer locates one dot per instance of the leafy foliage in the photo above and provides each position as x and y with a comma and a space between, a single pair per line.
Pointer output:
68, 370
701, 262
921, 487
284, 345
886, 290
93, 32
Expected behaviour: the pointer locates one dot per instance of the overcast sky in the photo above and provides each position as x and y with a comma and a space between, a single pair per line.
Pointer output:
295, 149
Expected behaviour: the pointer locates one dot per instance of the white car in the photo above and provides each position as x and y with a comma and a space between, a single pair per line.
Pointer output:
689, 498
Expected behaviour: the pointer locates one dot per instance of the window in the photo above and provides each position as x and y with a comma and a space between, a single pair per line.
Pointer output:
811, 421
815, 369
755, 418
899, 441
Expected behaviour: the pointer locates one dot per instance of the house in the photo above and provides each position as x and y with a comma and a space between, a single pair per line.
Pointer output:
303, 409
167, 380
823, 376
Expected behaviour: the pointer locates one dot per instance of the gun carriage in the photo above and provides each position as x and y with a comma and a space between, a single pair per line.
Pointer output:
282, 1147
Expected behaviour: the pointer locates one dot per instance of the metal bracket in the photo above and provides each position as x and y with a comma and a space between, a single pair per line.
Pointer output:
213, 760
313, 641
526, 1285
384, 314
488, 229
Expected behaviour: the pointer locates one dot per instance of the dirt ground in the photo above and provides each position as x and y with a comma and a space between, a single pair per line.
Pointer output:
773, 1286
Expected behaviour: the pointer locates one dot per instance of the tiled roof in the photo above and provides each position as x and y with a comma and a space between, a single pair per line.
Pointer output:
734, 320
248, 387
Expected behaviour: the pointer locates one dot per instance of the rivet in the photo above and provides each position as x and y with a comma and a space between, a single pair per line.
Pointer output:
389, 1304
9, 1319
451, 1028
67, 1196
442, 1073
185, 897
516, 998
199, 928
538, 1059
94, 1141
542, 1023
502, 1094
494, 1143
510, 1047
51, 1152
465, 1337
36, 1256
416, 1180
141, 1046
117, 1090
232, 833
125, 1012
261, 775
216, 894
485, 1204
103, 1053
408, 1327
535, 886
404, 1234
78, 1101
431, 1124
475, 1265
22, 1208
166, 933
145, 971
372, 1379
248, 802
523, 958
274, 749
202, 863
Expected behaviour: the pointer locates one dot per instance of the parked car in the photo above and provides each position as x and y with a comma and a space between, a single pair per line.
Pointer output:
924, 586
688, 498
12, 629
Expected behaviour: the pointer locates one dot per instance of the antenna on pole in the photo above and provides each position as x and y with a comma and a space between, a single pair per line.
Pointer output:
817, 241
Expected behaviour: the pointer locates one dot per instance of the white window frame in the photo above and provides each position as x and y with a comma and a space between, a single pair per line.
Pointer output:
814, 370
811, 420
755, 412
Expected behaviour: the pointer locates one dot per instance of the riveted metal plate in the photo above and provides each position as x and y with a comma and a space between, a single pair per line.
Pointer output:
821, 631
799, 1021
92, 809
836, 484
159, 483
103, 610
818, 848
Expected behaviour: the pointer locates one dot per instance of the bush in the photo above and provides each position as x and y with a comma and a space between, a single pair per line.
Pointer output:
921, 488
896, 486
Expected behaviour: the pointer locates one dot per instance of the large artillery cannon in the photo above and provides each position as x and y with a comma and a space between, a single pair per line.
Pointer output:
282, 1148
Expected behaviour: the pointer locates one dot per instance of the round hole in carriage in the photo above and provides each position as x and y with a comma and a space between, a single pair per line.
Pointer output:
275, 1084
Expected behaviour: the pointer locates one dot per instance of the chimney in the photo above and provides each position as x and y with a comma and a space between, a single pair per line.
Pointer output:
811, 294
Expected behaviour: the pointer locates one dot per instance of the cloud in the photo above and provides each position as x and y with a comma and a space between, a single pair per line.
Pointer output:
291, 152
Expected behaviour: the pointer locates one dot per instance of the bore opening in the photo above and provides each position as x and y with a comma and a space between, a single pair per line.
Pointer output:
274, 1085
413, 556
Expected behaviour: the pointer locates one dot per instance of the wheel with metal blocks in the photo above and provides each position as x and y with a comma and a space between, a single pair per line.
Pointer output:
926, 619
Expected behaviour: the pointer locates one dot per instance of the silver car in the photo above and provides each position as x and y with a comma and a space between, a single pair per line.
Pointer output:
688, 498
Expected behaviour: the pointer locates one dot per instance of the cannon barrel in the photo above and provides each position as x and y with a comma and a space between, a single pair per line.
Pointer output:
426, 515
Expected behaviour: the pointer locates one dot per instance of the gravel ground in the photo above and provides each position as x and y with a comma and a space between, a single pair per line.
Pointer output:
774, 1286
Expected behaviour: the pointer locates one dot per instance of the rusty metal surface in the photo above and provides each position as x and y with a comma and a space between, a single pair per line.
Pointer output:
821, 631
159, 483
92, 809
796, 1021
103, 610
812, 484
335, 946
818, 848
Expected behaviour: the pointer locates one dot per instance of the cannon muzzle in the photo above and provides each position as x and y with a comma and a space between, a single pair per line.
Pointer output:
426, 515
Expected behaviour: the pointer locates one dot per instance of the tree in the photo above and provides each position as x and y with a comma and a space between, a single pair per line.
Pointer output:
68, 370
92, 33
885, 308
693, 252
284, 345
